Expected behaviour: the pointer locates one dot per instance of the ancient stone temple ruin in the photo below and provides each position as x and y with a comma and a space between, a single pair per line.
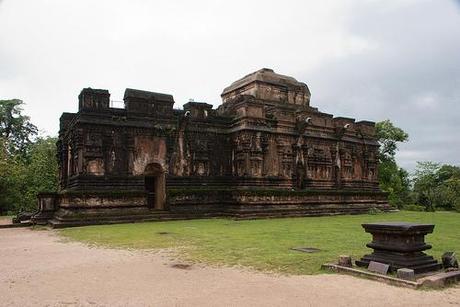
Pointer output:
264, 152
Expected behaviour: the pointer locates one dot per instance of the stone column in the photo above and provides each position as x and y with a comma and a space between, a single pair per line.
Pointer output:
338, 166
160, 192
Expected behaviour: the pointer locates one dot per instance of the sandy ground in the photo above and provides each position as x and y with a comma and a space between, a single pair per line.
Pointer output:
37, 268
5, 220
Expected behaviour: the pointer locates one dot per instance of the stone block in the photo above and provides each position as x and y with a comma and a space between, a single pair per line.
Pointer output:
406, 274
345, 260
449, 260
441, 279
401, 245
378, 267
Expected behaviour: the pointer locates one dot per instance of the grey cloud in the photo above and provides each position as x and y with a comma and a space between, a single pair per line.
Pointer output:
364, 59
412, 77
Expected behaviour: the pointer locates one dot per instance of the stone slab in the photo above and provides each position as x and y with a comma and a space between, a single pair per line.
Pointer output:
377, 267
441, 279
449, 260
407, 274
398, 227
437, 280
306, 249
374, 276
345, 260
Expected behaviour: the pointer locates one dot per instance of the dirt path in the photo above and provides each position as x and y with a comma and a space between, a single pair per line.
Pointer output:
36, 269
5, 220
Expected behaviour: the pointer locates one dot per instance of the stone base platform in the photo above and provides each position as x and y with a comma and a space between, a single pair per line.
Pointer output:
419, 262
437, 279
400, 245
87, 208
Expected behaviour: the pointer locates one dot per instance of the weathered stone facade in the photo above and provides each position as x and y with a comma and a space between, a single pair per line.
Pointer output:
264, 152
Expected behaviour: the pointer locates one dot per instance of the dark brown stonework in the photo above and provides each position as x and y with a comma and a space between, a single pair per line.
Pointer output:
264, 152
400, 245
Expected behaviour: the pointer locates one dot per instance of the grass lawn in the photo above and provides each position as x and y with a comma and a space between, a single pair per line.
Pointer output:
265, 244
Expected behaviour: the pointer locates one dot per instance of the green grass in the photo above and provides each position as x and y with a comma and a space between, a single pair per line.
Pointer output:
265, 244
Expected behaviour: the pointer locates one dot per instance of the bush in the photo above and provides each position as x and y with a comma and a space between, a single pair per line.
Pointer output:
457, 204
374, 211
414, 208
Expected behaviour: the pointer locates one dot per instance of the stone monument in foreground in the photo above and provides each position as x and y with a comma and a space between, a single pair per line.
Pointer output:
400, 245
264, 152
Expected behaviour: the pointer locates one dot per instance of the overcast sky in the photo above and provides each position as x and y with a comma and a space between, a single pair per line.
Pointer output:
367, 59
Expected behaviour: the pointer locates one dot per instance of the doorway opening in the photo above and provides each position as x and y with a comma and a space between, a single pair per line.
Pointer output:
149, 184
154, 185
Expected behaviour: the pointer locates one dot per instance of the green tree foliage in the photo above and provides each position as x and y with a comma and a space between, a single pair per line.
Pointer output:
22, 179
16, 130
437, 186
41, 173
389, 136
396, 182
392, 178
27, 164
5, 177
9, 170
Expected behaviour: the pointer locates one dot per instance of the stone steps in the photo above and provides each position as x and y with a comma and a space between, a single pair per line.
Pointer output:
236, 213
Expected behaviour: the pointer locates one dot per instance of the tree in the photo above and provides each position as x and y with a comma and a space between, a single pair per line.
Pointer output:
22, 179
396, 182
426, 184
27, 164
4, 176
41, 173
392, 178
389, 136
10, 169
437, 186
15, 128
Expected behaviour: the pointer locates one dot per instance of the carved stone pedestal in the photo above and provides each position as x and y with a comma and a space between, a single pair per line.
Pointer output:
400, 245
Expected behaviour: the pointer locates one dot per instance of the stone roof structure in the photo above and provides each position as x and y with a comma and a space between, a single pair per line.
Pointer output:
133, 93
268, 85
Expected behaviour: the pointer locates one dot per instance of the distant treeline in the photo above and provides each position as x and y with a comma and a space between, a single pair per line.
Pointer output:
432, 186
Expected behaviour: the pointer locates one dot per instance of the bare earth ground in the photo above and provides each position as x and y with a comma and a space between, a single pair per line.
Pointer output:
37, 268
5, 220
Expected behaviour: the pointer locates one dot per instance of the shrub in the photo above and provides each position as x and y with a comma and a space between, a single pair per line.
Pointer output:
414, 208
457, 204
374, 211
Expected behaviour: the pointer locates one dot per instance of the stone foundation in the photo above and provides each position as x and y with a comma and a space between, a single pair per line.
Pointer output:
85, 208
